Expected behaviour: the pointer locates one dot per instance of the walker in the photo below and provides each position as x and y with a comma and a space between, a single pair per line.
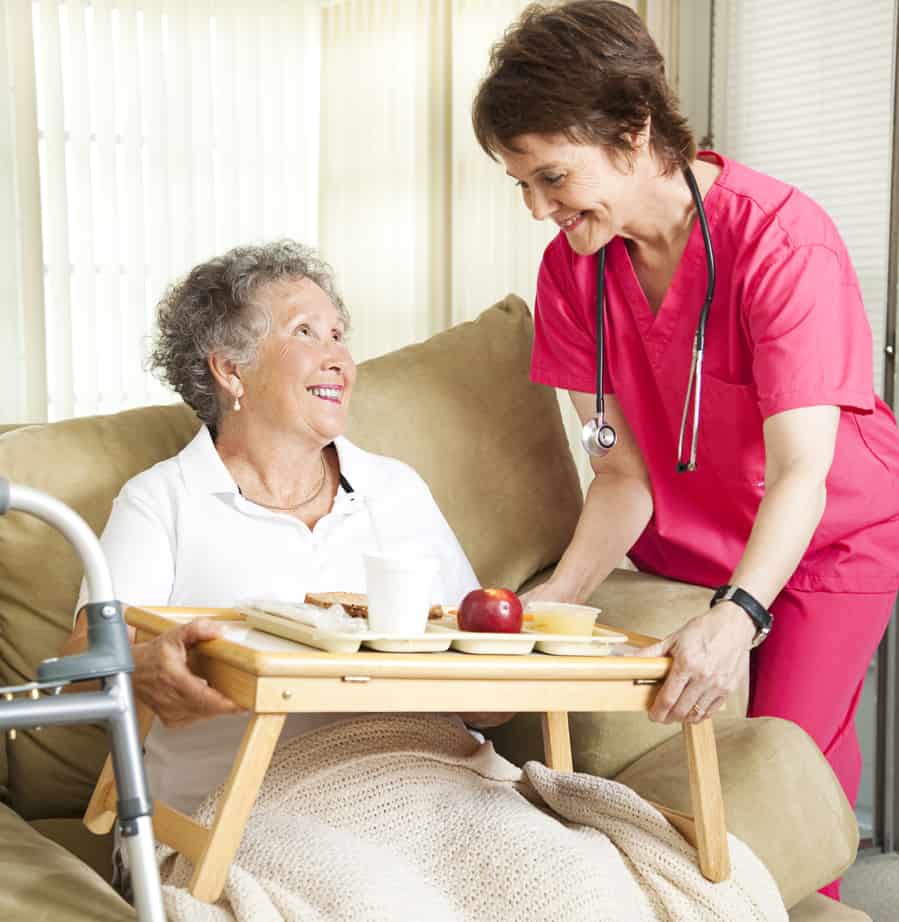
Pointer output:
108, 658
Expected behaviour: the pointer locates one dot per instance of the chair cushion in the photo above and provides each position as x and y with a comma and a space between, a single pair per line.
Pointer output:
818, 908
83, 462
43, 880
490, 444
780, 796
71, 833
606, 743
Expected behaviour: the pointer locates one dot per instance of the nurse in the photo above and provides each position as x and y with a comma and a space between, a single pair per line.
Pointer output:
784, 498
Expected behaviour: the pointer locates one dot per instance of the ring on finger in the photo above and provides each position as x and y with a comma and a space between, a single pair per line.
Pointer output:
696, 710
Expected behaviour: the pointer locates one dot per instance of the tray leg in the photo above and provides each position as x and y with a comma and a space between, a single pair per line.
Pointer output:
241, 789
557, 741
708, 803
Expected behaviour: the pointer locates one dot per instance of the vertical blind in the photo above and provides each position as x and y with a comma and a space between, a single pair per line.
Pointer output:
166, 133
803, 91
384, 214
23, 393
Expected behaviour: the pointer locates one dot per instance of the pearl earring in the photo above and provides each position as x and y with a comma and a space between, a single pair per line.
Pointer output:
236, 404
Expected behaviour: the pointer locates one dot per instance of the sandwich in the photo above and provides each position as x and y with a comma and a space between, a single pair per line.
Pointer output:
355, 604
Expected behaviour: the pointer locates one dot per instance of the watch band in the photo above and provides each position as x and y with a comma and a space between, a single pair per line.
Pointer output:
759, 615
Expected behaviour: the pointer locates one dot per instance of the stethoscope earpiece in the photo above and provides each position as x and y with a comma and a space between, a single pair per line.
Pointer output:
598, 437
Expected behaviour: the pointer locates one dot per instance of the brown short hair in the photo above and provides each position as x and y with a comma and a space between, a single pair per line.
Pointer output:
587, 69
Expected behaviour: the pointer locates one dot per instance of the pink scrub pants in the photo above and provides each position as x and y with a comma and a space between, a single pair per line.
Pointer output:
811, 669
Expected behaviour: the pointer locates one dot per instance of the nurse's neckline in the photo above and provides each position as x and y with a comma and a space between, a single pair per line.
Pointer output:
654, 276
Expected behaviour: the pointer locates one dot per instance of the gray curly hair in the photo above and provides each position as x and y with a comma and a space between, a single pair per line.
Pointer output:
216, 309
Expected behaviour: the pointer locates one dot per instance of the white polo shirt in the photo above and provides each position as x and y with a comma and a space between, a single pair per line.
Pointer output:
182, 534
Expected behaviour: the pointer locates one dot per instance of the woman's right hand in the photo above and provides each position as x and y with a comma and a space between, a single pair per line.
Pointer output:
163, 681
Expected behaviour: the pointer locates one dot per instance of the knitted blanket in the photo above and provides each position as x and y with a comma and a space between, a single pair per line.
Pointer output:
408, 817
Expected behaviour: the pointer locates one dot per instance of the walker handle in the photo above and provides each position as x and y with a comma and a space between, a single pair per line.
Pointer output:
109, 651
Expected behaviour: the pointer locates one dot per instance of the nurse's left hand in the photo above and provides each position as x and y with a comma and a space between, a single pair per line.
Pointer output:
710, 656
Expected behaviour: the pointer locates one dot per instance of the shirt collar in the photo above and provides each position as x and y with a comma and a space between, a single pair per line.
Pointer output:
202, 467
204, 471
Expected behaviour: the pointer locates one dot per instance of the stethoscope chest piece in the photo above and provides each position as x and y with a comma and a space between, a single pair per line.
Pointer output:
598, 437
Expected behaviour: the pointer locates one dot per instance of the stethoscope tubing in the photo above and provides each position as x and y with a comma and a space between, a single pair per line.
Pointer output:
694, 381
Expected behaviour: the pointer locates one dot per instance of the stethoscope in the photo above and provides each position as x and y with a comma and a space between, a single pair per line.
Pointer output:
597, 436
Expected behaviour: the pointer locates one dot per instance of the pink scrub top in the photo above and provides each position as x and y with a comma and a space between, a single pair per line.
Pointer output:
786, 329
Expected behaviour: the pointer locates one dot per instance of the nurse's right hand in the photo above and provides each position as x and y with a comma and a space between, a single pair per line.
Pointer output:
164, 682
710, 660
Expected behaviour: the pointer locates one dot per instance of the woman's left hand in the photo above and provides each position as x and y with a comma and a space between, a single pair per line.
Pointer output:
710, 656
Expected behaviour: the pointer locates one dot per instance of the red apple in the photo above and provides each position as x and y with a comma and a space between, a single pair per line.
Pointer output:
497, 611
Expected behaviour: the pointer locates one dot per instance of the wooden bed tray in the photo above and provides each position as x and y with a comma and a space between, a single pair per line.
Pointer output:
271, 678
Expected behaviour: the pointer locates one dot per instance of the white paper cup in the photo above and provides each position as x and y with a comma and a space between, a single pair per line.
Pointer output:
399, 592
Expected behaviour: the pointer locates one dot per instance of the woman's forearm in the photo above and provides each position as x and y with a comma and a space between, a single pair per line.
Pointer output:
616, 510
786, 520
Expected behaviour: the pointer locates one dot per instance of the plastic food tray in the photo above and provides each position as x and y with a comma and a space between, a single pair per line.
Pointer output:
438, 636
344, 641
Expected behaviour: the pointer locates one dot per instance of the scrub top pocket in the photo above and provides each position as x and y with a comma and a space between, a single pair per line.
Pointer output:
730, 432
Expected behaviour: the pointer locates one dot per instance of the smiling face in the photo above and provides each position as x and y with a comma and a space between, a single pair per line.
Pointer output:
590, 194
303, 375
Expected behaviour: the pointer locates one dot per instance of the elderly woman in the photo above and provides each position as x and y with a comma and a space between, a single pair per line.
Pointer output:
707, 319
269, 500
367, 816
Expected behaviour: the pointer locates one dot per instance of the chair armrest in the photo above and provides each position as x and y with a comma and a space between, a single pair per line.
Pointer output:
780, 797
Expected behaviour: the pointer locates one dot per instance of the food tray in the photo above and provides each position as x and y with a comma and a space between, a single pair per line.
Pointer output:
438, 637
599, 644
476, 642
343, 641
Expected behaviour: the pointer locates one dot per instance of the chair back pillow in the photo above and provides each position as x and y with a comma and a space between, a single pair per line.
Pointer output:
461, 409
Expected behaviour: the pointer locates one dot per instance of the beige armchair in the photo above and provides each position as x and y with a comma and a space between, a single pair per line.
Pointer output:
460, 409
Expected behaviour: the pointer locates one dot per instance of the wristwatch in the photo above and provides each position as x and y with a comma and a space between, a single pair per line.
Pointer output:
760, 616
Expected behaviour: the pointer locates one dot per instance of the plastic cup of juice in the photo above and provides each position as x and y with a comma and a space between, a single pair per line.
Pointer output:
560, 617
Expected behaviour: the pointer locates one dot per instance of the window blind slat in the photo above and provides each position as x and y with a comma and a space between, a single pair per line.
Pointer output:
197, 69
12, 365
225, 139
156, 190
23, 387
104, 205
306, 163
80, 211
181, 228
246, 123
129, 182
271, 181
54, 217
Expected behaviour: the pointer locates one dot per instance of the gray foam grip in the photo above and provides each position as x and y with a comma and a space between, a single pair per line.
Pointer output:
4, 495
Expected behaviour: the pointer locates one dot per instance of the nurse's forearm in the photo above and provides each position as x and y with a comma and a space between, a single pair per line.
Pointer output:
616, 510
787, 518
